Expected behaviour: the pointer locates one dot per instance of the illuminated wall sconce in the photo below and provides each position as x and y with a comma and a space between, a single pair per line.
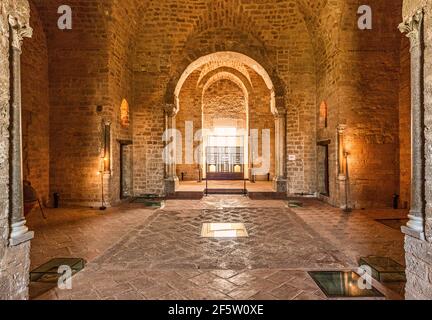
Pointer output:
323, 116
343, 155
101, 173
341, 150
104, 162
106, 152
124, 114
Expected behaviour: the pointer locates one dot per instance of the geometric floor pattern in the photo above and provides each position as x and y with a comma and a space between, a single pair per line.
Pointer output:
278, 239
159, 254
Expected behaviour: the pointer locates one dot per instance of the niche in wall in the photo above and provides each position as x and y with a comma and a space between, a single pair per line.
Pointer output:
323, 168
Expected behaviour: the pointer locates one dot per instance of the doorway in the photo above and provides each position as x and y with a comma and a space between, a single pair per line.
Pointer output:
126, 169
323, 168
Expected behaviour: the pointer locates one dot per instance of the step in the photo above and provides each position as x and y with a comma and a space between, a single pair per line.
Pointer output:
225, 191
185, 195
267, 195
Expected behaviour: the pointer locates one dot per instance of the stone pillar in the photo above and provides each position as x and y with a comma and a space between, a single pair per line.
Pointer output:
171, 179
342, 174
280, 180
413, 28
19, 232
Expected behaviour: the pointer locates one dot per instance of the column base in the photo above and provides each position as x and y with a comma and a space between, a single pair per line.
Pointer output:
280, 185
344, 203
20, 233
171, 185
415, 226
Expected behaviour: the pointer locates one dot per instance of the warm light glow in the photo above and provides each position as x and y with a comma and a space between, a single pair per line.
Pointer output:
223, 131
323, 115
224, 230
124, 114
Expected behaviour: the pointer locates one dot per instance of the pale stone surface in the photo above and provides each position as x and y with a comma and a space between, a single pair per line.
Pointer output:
419, 269
418, 259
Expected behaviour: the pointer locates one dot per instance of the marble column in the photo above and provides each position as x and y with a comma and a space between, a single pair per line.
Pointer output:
171, 179
280, 180
19, 232
414, 31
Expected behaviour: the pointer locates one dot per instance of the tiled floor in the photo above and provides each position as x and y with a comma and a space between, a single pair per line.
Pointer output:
259, 186
135, 253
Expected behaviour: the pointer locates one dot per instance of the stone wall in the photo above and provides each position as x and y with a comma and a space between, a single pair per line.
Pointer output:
261, 118
359, 71
97, 74
36, 109
121, 85
224, 100
418, 251
14, 272
309, 58
116, 62
14, 261
405, 125
418, 258
191, 109
225, 90
179, 32
411, 6
79, 82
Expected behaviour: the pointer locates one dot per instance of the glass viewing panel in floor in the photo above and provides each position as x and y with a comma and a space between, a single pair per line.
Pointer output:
224, 230
341, 284
49, 272
384, 269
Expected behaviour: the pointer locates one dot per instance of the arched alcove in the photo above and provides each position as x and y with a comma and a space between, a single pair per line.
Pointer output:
124, 114
220, 74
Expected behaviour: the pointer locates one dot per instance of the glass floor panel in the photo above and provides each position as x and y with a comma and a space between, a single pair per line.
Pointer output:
224, 230
48, 272
341, 284
384, 269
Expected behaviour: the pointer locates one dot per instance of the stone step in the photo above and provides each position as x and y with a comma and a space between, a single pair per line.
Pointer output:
267, 195
186, 195
226, 191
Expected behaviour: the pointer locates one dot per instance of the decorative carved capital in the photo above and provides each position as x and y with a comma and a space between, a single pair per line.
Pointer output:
19, 31
412, 27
